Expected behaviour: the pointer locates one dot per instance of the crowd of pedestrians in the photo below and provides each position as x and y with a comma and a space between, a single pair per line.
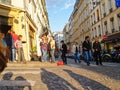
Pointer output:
89, 50
11, 43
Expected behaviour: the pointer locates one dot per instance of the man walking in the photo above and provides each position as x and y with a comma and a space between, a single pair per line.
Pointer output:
75, 51
87, 49
64, 51
97, 52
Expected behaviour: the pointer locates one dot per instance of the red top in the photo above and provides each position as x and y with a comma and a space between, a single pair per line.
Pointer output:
14, 36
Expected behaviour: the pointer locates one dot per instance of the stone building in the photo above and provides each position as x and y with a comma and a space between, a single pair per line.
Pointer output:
58, 36
97, 19
26, 17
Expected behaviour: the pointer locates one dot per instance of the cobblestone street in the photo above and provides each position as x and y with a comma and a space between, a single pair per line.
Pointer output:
47, 76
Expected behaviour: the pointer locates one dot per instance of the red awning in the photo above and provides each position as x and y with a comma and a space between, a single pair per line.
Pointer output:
114, 37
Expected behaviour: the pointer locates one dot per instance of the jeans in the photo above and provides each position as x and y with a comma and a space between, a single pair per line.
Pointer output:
97, 56
76, 57
52, 53
13, 54
87, 56
44, 55
63, 56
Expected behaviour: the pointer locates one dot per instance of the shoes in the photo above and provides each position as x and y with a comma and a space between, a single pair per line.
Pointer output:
88, 64
79, 61
14, 61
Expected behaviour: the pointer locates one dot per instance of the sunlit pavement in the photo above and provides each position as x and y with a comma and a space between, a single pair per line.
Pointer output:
49, 76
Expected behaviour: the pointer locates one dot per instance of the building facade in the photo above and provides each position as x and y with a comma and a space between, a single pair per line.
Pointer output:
28, 18
66, 35
58, 36
97, 19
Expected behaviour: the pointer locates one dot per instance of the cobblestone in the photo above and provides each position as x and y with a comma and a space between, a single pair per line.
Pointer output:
47, 76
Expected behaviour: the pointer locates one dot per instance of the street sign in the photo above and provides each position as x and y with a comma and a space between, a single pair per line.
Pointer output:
117, 3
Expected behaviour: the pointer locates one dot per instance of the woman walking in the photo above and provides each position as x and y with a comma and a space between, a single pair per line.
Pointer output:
44, 47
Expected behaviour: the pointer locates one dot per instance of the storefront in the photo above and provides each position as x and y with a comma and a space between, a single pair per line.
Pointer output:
110, 41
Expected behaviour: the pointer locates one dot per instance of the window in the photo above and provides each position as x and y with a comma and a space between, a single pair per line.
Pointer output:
98, 17
118, 21
112, 24
110, 5
94, 18
99, 30
105, 28
95, 32
103, 8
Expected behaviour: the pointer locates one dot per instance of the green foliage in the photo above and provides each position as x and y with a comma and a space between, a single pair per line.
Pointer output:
34, 49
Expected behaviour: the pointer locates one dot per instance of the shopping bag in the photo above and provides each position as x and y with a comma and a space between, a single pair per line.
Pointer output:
59, 63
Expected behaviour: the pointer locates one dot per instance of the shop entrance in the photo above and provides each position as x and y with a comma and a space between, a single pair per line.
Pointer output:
5, 24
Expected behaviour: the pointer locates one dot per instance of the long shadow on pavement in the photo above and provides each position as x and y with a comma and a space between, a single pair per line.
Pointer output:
87, 84
18, 84
110, 71
54, 82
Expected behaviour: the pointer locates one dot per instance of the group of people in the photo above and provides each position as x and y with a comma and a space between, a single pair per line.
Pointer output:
89, 50
10, 44
48, 47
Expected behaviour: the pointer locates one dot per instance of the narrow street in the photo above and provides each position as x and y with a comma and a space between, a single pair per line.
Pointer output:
47, 76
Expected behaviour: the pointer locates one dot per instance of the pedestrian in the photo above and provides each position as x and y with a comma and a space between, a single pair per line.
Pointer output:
3, 53
52, 49
75, 51
15, 37
97, 52
19, 47
44, 47
86, 45
10, 44
64, 51
4, 44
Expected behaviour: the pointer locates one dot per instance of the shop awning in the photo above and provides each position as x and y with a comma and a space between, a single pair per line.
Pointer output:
112, 38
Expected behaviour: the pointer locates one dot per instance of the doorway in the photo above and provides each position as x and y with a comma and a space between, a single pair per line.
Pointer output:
4, 28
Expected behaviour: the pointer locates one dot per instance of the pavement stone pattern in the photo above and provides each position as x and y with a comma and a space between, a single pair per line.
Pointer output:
49, 76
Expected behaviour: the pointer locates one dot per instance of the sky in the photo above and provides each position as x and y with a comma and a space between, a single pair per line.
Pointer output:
59, 12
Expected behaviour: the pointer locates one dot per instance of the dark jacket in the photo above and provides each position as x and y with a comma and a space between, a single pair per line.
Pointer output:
9, 41
96, 45
64, 47
86, 45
